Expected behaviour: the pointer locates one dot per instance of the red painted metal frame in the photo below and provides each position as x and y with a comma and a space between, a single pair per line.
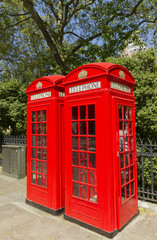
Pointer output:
52, 195
105, 214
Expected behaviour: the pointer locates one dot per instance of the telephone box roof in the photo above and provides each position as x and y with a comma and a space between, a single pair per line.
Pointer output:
99, 68
47, 81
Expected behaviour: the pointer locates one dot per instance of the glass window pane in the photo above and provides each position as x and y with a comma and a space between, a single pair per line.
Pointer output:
83, 143
83, 128
33, 140
92, 194
39, 179
75, 158
120, 128
126, 159
75, 174
120, 111
130, 143
127, 175
44, 180
44, 141
39, 141
38, 128
44, 115
33, 116
75, 128
82, 112
92, 177
121, 144
33, 177
129, 111
132, 188
131, 173
91, 127
44, 168
131, 158
44, 130
84, 192
123, 194
74, 113
125, 128
76, 189
126, 143
128, 190
91, 144
91, 111
44, 154
33, 152
130, 127
33, 165
83, 159
75, 143
38, 153
122, 177
38, 116
122, 160
38, 166
92, 160
83, 175
33, 128
125, 112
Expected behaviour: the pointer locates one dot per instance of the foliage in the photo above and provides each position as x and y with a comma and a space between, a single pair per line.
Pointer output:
144, 164
147, 172
13, 100
143, 67
53, 36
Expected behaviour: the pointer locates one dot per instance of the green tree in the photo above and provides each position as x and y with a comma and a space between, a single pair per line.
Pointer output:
13, 100
60, 35
143, 67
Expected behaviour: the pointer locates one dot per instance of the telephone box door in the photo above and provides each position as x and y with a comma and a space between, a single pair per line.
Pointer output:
81, 179
126, 162
37, 167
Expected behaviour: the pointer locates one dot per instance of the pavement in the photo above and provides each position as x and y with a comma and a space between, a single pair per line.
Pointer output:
19, 221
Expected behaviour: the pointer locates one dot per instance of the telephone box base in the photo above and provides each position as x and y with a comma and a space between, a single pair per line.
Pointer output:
98, 230
45, 209
92, 228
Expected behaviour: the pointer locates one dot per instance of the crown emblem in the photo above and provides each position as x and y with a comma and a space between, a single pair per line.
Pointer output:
39, 85
82, 74
122, 74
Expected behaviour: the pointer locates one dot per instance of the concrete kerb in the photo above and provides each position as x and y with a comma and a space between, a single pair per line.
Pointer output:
147, 206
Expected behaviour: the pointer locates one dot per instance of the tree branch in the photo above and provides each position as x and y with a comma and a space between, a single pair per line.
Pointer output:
40, 23
16, 23
69, 32
132, 11
76, 48
50, 4
74, 10
17, 15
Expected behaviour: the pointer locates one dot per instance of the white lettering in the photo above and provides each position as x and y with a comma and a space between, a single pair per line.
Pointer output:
41, 95
85, 87
120, 87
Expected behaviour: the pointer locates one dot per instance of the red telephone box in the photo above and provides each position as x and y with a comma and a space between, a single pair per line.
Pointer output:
45, 165
100, 147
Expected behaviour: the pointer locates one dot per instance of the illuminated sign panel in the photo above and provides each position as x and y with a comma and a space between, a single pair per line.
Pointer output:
85, 87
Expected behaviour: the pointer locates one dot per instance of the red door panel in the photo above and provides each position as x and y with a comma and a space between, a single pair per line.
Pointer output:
126, 157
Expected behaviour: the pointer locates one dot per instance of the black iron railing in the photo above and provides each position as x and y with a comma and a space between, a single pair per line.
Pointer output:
14, 140
147, 170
